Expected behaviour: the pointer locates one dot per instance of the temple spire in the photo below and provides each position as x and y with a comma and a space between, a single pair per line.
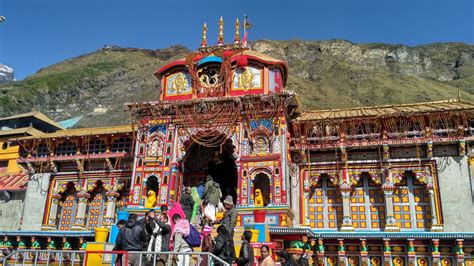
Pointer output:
204, 38
220, 37
237, 33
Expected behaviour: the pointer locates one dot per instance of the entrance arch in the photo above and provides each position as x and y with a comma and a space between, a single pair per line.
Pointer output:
218, 162
262, 181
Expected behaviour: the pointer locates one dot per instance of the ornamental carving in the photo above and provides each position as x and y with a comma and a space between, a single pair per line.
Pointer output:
245, 79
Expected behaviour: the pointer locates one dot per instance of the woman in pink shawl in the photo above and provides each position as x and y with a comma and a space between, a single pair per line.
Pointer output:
176, 208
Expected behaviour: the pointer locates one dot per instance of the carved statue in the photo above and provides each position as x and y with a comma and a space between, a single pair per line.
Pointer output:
151, 199
258, 198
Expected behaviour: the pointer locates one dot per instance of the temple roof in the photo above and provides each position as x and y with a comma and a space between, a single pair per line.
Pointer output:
83, 132
253, 55
37, 115
17, 132
386, 110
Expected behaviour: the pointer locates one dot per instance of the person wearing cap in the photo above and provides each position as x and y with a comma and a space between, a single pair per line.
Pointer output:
230, 216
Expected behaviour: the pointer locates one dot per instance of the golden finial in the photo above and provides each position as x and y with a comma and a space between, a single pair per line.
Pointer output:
237, 33
220, 38
204, 33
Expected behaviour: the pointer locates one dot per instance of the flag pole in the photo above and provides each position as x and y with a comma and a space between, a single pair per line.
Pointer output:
245, 30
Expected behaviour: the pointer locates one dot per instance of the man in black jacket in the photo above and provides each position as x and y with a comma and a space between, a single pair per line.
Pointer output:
187, 203
132, 238
246, 251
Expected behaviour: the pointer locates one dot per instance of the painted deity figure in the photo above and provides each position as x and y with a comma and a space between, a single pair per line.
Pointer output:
303, 243
258, 198
151, 199
21, 243
66, 244
51, 244
82, 243
156, 148
7, 244
34, 243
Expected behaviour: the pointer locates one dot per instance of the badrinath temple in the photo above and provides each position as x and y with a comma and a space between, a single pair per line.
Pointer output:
382, 185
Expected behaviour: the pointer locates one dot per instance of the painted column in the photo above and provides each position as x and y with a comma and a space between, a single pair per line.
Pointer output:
80, 220
387, 252
411, 252
388, 187
345, 188
364, 252
109, 218
435, 252
435, 225
341, 252
459, 252
53, 212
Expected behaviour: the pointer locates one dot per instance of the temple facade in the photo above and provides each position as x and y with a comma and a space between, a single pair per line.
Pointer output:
384, 185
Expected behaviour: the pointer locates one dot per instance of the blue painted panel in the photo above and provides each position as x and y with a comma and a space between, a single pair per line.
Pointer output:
264, 122
210, 59
161, 128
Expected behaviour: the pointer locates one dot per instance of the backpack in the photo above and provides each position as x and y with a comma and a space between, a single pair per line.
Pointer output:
194, 237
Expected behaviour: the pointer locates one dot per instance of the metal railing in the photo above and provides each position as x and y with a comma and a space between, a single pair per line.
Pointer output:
84, 258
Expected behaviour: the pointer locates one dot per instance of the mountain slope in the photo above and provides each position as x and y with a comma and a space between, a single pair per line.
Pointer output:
326, 74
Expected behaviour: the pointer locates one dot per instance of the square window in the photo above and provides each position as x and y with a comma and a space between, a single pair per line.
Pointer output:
319, 200
354, 217
419, 216
362, 209
396, 199
373, 216
420, 225
320, 217
311, 209
320, 209
319, 192
398, 216
339, 209
418, 208
355, 224
405, 199
331, 216
380, 200
312, 224
353, 208
330, 192
406, 216
332, 225
353, 200
363, 224
311, 216
396, 208
407, 224
320, 225
406, 208
362, 216
361, 200
311, 200
375, 225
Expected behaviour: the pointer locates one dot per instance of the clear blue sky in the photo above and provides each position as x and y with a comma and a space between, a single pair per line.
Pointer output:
38, 33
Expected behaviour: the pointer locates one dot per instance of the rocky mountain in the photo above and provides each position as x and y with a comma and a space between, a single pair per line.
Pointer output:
325, 74
6, 74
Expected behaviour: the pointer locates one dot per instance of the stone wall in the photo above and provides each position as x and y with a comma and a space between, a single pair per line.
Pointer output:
457, 203
35, 200
10, 210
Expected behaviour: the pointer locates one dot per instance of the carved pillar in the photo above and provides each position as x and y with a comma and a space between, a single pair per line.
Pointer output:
387, 252
341, 252
388, 187
80, 220
364, 252
386, 152
435, 252
411, 252
462, 147
459, 252
109, 218
429, 149
320, 251
435, 225
53, 212
345, 188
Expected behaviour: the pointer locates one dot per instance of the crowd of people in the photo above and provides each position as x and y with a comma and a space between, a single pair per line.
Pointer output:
192, 221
